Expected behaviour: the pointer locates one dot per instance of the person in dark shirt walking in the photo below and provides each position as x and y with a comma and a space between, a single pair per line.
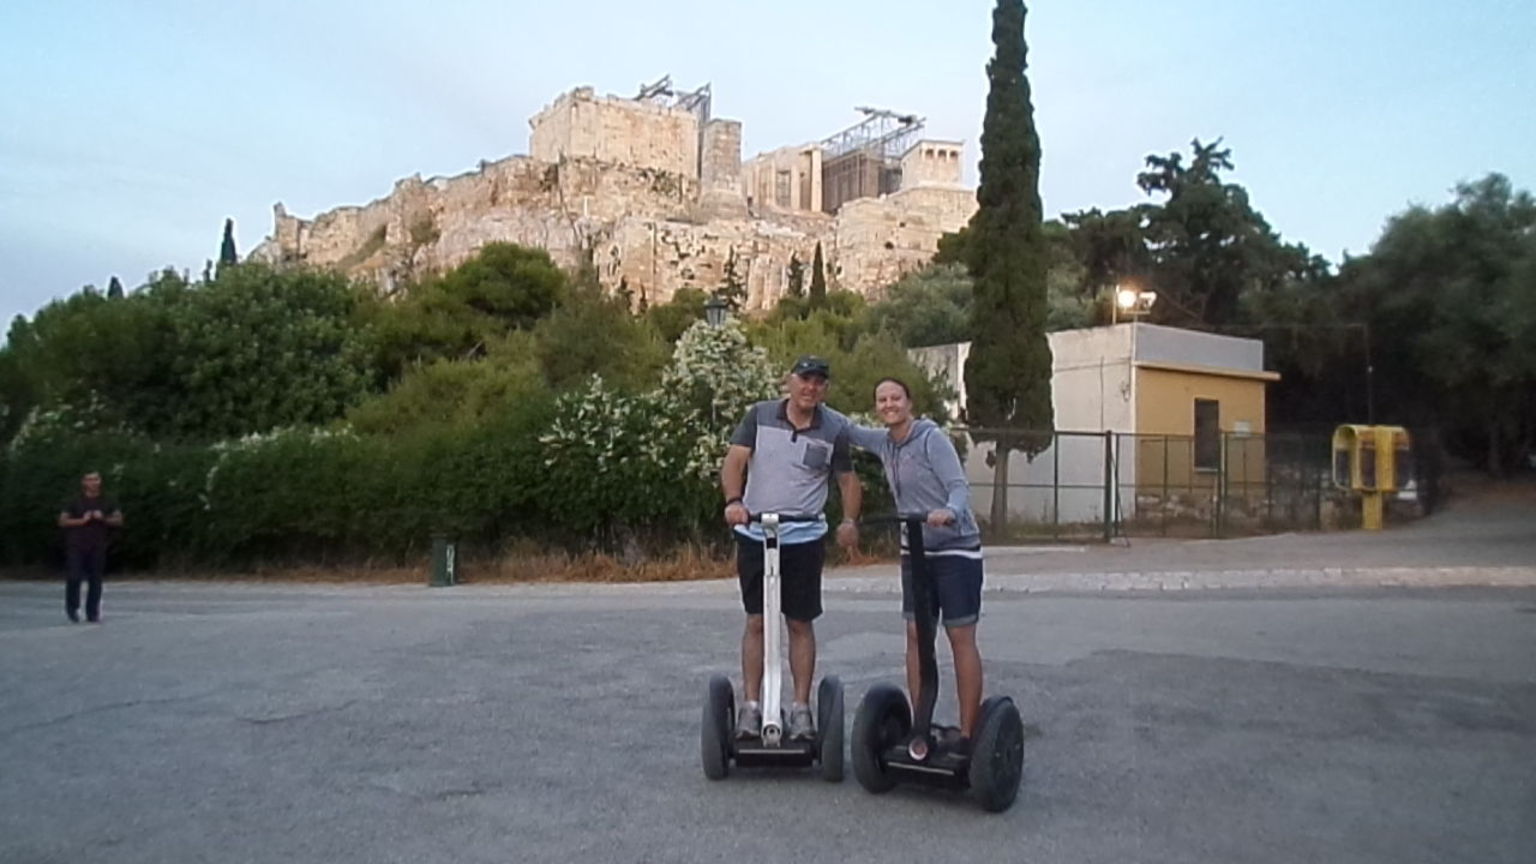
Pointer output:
87, 522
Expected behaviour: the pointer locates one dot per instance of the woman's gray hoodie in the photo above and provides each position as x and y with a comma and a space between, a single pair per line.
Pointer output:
924, 474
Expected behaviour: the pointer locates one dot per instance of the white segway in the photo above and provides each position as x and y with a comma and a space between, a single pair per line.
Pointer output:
719, 745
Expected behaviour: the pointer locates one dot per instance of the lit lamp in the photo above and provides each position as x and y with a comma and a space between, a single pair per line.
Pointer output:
1132, 302
715, 311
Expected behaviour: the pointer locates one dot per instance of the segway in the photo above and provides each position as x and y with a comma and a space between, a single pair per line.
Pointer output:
890, 745
720, 746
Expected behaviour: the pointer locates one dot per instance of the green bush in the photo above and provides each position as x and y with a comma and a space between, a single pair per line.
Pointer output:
157, 486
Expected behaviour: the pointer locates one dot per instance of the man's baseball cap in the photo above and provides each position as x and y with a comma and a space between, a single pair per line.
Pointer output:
810, 364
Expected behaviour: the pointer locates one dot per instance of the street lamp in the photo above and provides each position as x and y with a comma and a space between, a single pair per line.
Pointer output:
715, 311
1131, 302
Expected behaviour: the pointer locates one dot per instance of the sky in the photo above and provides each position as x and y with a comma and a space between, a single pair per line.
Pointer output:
129, 131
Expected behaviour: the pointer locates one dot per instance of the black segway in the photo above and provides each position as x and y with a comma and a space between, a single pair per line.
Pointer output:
890, 745
720, 746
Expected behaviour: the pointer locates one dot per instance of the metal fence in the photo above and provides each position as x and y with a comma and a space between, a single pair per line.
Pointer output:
1099, 485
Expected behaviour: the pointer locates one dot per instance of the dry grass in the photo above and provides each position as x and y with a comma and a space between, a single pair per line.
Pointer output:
523, 562
687, 564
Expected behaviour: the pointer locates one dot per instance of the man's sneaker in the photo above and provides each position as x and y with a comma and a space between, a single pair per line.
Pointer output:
749, 720
801, 725
73, 615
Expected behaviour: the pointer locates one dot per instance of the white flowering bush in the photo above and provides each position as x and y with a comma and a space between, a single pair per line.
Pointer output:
617, 462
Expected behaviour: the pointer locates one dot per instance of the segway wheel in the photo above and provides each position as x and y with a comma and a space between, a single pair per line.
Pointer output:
829, 722
715, 730
997, 755
882, 721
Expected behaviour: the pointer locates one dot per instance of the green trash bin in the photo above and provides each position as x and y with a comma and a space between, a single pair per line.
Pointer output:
445, 567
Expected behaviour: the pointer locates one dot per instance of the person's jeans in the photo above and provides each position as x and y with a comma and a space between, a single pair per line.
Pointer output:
85, 565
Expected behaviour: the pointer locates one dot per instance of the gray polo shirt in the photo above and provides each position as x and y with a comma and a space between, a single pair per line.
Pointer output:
790, 467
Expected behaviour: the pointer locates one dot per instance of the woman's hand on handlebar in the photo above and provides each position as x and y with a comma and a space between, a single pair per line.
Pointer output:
848, 534
941, 517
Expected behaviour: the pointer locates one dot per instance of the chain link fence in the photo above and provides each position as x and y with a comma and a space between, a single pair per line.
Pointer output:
1100, 485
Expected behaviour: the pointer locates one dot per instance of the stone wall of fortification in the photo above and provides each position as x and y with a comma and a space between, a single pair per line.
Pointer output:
581, 125
630, 181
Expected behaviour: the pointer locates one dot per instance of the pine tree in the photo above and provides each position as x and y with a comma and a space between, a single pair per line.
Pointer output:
1008, 373
115, 289
818, 280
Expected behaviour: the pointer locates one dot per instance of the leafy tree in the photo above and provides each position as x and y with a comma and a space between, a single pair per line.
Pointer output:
595, 335
1450, 296
258, 349
93, 362
115, 289
502, 288
1111, 247
818, 295
455, 392
1208, 243
1008, 372
929, 307
858, 358
672, 318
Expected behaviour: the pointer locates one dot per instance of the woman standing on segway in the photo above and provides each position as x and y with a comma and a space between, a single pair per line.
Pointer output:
924, 473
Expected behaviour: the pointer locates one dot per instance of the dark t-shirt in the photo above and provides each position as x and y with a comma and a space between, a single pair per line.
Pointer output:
94, 534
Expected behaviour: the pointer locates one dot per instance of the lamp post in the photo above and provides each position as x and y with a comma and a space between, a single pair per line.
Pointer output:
1131, 302
715, 311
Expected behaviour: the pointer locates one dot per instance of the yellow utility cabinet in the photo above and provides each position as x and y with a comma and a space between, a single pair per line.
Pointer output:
1372, 461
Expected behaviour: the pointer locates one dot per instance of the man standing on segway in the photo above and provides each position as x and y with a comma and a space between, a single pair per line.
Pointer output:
779, 461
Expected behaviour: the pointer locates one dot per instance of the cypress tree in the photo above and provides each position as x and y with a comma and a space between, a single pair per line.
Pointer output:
1008, 372
818, 280
227, 253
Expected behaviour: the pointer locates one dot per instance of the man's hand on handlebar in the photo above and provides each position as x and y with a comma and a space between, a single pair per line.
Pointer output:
736, 513
941, 517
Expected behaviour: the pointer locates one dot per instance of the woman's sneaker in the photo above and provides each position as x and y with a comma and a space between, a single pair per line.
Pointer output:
949, 740
749, 720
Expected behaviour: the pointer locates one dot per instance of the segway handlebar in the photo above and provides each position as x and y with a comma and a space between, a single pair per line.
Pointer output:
919, 518
757, 518
893, 518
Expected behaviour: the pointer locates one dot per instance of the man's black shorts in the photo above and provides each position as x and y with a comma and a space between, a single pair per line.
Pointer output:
799, 577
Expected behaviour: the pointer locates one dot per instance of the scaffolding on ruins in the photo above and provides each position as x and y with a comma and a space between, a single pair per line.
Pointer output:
697, 102
864, 160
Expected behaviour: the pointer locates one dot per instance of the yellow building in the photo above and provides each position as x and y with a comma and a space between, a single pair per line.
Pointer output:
1171, 412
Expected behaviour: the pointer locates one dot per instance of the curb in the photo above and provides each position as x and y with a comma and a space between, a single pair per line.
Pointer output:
1197, 580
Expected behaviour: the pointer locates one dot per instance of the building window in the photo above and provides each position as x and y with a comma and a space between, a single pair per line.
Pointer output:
1207, 435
